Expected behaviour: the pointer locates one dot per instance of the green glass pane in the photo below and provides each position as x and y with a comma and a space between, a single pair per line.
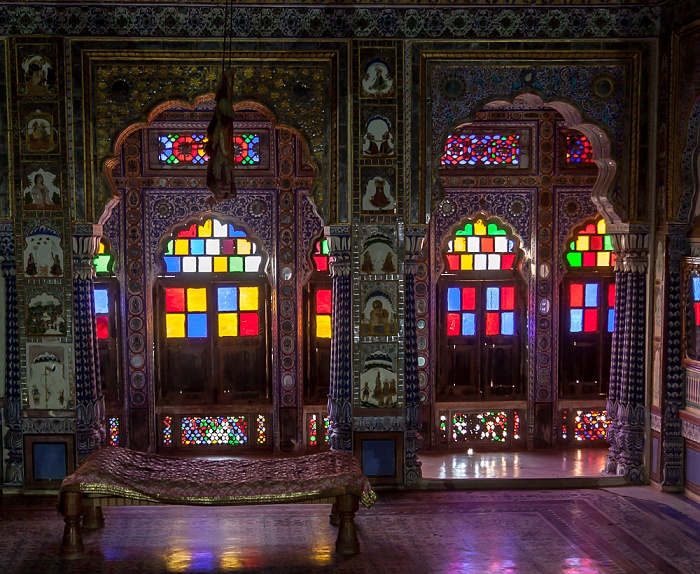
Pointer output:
324, 247
572, 246
235, 264
169, 248
102, 263
607, 243
574, 258
468, 230
491, 229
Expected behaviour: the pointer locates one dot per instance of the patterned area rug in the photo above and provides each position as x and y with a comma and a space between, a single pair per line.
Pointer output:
559, 531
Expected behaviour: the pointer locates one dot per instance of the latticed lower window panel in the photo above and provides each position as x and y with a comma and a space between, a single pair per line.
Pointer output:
317, 428
480, 427
208, 431
584, 425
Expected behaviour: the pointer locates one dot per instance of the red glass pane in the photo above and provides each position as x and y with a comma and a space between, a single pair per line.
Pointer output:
590, 320
507, 298
576, 295
191, 232
468, 298
590, 229
507, 260
613, 257
227, 247
323, 301
321, 262
102, 326
611, 295
453, 262
249, 324
453, 324
493, 323
597, 243
175, 300
487, 244
697, 312
589, 259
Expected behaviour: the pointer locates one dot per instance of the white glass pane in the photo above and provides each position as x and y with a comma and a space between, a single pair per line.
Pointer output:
205, 264
480, 261
501, 244
213, 247
252, 263
473, 244
220, 229
494, 261
189, 264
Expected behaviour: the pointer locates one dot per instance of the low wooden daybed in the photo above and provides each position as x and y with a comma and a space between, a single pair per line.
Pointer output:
115, 476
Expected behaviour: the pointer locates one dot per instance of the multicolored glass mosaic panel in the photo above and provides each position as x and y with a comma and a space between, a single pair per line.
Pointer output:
482, 149
168, 431
103, 259
487, 427
101, 296
212, 247
443, 428
114, 431
591, 248
578, 149
188, 149
313, 429
516, 425
584, 307
205, 430
591, 425
262, 429
480, 247
462, 313
321, 255
565, 424
695, 282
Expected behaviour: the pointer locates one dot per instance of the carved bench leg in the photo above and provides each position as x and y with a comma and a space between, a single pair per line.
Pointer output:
334, 516
347, 543
71, 509
93, 518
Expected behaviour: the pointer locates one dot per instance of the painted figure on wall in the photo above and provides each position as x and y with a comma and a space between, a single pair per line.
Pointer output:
379, 378
376, 80
39, 75
378, 255
45, 316
43, 254
47, 378
378, 139
378, 196
39, 133
42, 193
378, 315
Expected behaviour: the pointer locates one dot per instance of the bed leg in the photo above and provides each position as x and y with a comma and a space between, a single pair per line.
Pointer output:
347, 543
334, 516
93, 518
72, 508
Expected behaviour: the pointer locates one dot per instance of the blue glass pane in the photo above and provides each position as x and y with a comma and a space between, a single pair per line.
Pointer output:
228, 298
454, 299
611, 320
696, 288
508, 323
197, 325
101, 301
172, 264
576, 320
197, 246
493, 296
233, 232
591, 296
468, 324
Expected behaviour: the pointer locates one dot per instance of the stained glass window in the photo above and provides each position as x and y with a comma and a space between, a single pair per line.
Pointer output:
578, 149
482, 149
590, 425
321, 255
592, 247
695, 281
212, 247
481, 246
113, 431
462, 316
188, 148
565, 424
485, 426
261, 429
103, 261
102, 308
213, 430
168, 431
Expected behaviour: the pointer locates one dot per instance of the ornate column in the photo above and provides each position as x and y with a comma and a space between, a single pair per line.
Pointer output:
90, 423
414, 237
340, 397
626, 397
673, 387
14, 464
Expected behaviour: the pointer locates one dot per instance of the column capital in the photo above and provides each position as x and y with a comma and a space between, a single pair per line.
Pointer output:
631, 243
414, 240
86, 245
340, 249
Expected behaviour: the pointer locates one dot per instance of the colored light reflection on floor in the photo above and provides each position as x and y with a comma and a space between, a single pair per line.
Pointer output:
184, 560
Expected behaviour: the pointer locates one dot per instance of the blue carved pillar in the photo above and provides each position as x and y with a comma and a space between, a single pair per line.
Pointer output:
340, 396
672, 387
90, 424
14, 465
626, 396
414, 236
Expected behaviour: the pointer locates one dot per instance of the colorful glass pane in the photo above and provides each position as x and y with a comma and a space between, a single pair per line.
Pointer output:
228, 324
174, 300
167, 431
323, 301
481, 149
480, 246
591, 425
175, 325
248, 298
228, 298
196, 325
493, 324
113, 431
313, 431
453, 324
249, 324
102, 326
591, 247
261, 429
103, 260
188, 149
483, 427
323, 326
212, 430
196, 299
578, 149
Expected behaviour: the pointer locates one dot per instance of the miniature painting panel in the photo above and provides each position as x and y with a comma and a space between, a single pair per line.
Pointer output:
378, 191
378, 255
378, 313
378, 378
45, 315
377, 79
41, 189
43, 253
48, 380
39, 133
36, 69
378, 139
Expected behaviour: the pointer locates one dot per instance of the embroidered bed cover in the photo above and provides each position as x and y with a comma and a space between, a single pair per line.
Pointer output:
116, 471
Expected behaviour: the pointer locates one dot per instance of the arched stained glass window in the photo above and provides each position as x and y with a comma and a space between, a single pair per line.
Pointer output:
188, 148
578, 149
481, 150
592, 247
319, 303
480, 246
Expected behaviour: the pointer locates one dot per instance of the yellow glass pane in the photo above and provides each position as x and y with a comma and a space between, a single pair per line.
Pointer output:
196, 299
602, 227
101, 248
248, 298
479, 227
323, 326
459, 244
182, 247
603, 259
174, 325
243, 247
220, 264
466, 262
583, 243
228, 324
205, 230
